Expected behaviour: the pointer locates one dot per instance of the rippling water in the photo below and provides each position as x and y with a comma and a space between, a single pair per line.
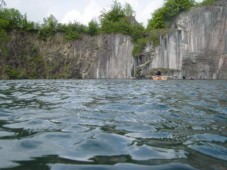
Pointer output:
113, 124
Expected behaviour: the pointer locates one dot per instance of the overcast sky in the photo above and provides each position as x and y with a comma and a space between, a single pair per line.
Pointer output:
80, 10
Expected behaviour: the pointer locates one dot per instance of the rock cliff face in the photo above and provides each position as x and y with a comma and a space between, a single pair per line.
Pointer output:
196, 46
102, 56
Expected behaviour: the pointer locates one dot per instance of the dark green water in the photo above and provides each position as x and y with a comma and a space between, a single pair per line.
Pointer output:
113, 124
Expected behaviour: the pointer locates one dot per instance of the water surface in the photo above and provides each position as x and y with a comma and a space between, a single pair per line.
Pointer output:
113, 124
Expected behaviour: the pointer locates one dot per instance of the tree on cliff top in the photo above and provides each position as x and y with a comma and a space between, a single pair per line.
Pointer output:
163, 17
115, 14
121, 20
11, 19
93, 27
128, 11
113, 20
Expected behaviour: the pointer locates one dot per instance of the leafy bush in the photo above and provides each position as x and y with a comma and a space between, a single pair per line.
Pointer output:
4, 24
139, 46
72, 30
165, 15
93, 27
13, 73
72, 35
115, 14
49, 27
120, 20
12, 19
114, 21
137, 32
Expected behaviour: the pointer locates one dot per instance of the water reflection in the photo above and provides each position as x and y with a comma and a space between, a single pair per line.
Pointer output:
113, 124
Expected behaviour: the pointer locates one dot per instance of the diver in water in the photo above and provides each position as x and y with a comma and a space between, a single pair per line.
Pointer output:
158, 73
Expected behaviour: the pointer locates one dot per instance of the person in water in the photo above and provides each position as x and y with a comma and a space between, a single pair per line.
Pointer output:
158, 73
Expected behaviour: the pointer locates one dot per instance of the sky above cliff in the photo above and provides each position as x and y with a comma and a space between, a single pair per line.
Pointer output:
81, 11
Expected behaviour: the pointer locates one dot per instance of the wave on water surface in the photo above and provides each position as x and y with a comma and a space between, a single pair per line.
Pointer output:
113, 124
